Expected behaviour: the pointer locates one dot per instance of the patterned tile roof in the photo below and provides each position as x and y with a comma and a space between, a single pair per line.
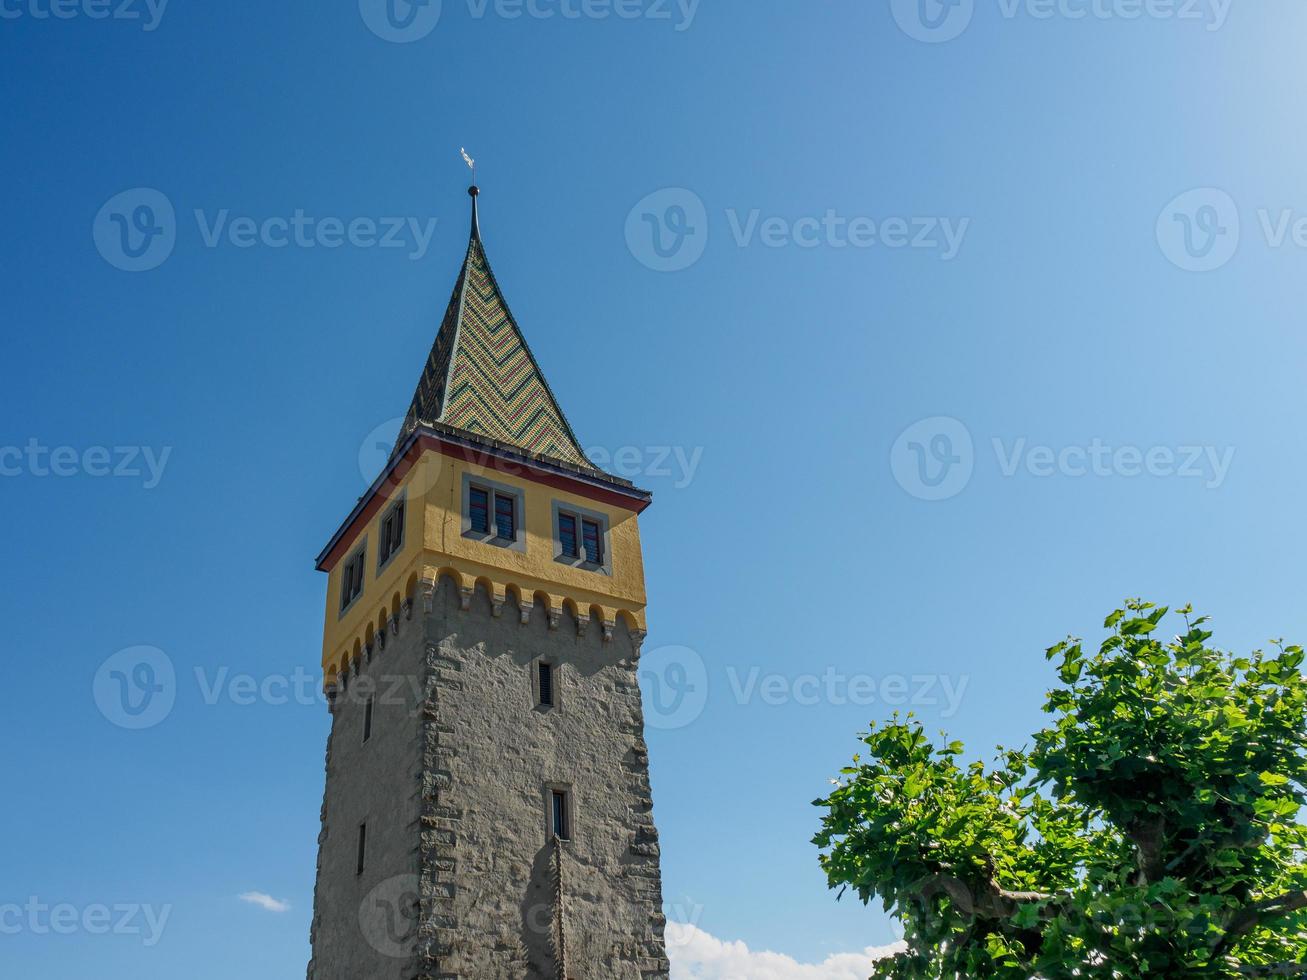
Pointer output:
481, 376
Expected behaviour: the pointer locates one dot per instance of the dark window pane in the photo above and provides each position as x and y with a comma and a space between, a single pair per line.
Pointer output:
567, 535
367, 720
594, 551
397, 528
505, 522
480, 506
363, 845
561, 830
546, 685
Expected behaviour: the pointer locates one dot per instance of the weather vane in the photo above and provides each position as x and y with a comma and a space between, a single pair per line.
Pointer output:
472, 164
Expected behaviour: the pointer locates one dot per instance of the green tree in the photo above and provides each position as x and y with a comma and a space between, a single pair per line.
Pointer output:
1151, 830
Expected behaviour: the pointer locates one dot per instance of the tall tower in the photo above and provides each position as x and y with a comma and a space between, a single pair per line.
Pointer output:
487, 810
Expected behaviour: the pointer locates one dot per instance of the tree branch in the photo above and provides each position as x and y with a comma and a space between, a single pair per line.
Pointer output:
1251, 916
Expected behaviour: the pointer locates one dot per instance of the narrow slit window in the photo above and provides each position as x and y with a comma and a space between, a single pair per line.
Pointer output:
392, 533
351, 580
363, 846
561, 822
567, 536
479, 507
367, 720
547, 685
594, 542
505, 517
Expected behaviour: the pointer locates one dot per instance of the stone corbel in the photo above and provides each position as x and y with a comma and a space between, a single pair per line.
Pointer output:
465, 598
394, 626
408, 608
497, 605
381, 640
637, 639
524, 611
429, 586
555, 617
581, 623
608, 630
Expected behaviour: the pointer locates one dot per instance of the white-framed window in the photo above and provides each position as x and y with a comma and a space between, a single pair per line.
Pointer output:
351, 577
494, 513
392, 534
581, 538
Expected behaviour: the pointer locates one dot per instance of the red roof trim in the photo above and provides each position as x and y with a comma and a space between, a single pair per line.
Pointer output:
484, 456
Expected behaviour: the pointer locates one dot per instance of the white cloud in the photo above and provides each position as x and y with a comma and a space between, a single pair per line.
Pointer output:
696, 955
266, 902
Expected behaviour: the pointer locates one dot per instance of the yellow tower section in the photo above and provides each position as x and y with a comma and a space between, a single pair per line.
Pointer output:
487, 486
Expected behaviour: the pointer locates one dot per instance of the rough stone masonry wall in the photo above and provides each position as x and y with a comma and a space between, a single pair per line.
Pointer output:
461, 880
364, 926
489, 882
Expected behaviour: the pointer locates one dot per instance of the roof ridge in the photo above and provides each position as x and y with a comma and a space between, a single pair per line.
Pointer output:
472, 345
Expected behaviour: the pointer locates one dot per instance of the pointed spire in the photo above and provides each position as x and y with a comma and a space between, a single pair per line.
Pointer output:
481, 376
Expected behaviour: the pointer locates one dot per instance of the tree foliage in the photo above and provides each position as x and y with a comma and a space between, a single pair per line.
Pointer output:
1151, 830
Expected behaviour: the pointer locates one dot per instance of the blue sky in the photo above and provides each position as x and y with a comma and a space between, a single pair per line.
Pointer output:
964, 327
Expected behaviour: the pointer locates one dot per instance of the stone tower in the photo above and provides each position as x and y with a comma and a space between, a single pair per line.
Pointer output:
487, 811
